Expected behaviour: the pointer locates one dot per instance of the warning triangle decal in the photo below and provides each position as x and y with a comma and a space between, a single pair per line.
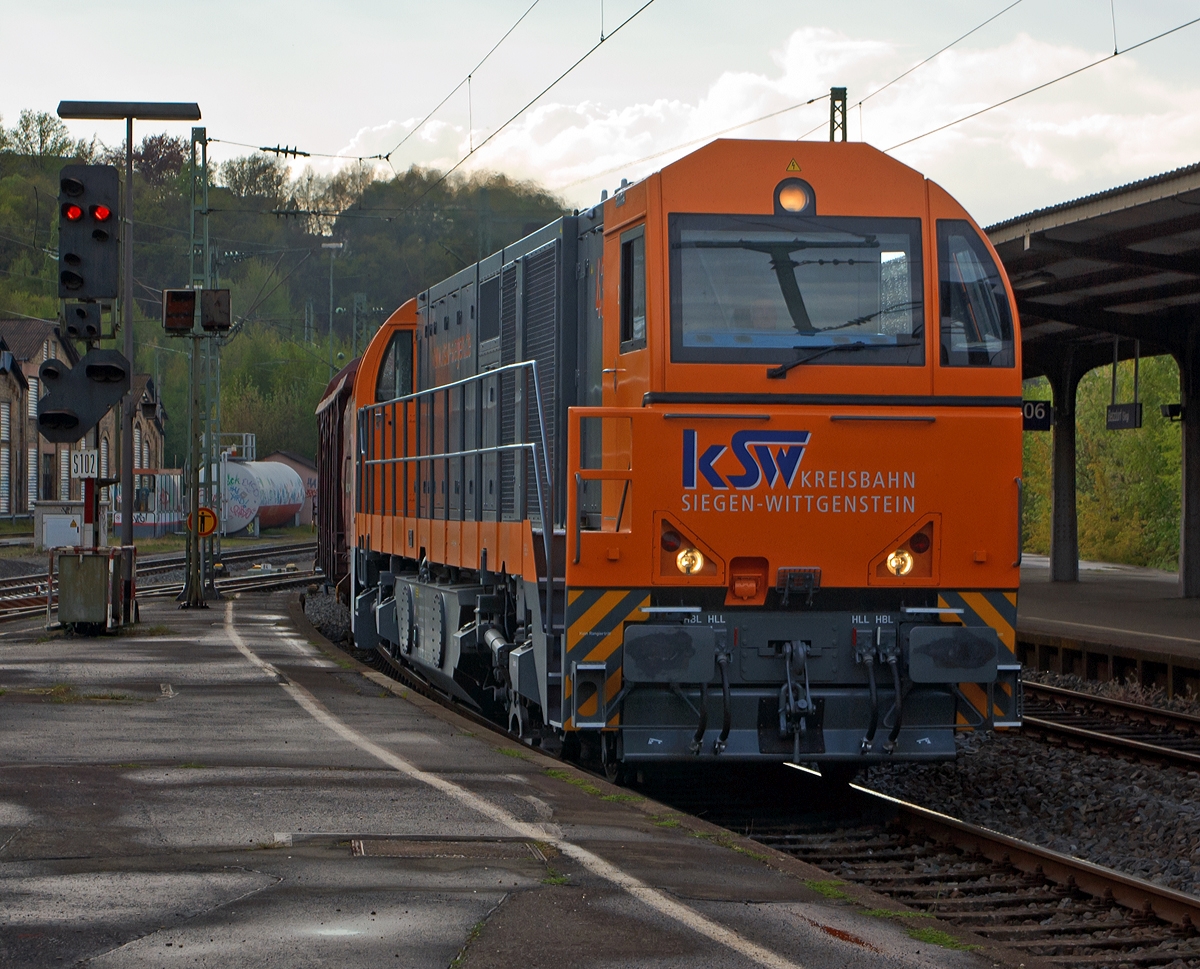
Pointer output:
792, 166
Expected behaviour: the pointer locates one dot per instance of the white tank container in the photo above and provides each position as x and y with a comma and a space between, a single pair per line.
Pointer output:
281, 492
268, 489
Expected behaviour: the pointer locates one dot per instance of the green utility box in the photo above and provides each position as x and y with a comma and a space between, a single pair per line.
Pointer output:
84, 587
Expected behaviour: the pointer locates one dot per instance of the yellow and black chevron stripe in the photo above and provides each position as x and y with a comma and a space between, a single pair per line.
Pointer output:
998, 609
595, 629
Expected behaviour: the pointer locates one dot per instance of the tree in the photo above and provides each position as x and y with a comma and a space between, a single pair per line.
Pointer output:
256, 176
161, 158
40, 134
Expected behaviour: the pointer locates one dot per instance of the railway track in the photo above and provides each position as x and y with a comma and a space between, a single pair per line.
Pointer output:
1037, 902
1103, 725
26, 595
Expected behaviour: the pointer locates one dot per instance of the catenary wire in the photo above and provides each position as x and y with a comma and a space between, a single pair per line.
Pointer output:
1042, 86
537, 97
458, 86
800, 104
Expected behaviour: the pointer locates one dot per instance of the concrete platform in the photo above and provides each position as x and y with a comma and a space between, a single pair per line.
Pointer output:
220, 791
1116, 621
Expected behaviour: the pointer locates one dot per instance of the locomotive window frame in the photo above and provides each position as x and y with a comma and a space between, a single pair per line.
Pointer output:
910, 353
633, 289
395, 378
981, 301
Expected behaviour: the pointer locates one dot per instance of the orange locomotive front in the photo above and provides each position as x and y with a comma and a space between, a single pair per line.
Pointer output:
726, 467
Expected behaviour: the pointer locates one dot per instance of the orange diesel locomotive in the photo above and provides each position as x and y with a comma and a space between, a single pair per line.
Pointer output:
725, 468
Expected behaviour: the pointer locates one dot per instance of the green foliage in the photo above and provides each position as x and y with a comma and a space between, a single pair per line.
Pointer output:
401, 234
1128, 482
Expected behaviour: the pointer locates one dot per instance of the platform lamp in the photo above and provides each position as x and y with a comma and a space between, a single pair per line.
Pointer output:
127, 111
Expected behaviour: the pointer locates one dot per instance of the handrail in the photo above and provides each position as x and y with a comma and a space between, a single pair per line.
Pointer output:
1020, 521
543, 481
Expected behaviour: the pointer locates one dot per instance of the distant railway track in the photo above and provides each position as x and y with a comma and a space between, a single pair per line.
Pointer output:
1103, 724
26, 595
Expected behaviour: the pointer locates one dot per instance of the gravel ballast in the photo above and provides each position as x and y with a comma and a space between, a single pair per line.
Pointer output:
1138, 819
328, 615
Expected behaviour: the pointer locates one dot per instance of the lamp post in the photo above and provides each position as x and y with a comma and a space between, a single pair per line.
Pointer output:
333, 247
127, 111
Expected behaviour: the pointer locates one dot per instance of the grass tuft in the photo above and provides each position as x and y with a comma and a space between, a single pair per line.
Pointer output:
830, 889
622, 798
584, 785
472, 938
191, 765
937, 937
555, 877
513, 753
887, 913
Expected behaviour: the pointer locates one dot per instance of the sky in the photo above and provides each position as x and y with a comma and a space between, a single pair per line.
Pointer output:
355, 78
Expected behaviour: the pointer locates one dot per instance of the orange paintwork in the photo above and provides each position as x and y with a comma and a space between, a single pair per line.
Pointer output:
864, 485
961, 462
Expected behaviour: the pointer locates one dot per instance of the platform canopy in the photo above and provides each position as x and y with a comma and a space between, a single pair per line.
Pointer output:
1120, 265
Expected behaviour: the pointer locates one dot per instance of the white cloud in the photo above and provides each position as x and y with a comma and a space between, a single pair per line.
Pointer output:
1112, 124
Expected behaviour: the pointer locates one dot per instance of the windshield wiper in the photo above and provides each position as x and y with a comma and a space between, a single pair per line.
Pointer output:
775, 373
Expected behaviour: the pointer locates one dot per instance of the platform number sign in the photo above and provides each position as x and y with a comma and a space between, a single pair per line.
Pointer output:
85, 464
1039, 414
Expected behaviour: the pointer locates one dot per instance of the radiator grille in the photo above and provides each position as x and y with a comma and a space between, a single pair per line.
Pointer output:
508, 383
540, 331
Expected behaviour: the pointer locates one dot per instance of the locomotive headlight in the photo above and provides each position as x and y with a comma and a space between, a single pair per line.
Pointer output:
689, 561
900, 562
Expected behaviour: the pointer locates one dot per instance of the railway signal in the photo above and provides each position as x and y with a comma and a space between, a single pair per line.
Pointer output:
83, 321
215, 314
179, 311
77, 397
89, 200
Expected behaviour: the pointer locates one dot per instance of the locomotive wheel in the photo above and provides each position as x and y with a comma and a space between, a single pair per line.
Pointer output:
611, 750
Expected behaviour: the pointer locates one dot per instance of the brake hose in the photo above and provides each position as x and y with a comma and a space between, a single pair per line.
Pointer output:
727, 702
899, 706
870, 737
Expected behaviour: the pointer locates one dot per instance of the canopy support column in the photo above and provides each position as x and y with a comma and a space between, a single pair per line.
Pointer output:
1064, 530
1189, 518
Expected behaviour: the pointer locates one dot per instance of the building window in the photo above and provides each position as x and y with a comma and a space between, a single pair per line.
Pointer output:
104, 466
137, 447
33, 397
6, 458
31, 474
64, 474
45, 350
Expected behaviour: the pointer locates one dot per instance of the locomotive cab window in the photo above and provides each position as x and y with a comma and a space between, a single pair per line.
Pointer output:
774, 289
633, 289
976, 321
395, 373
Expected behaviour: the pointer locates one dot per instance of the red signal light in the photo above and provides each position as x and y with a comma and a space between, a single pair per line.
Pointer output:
72, 212
671, 541
101, 213
919, 543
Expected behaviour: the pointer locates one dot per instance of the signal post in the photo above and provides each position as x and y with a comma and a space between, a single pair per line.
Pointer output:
125, 111
197, 314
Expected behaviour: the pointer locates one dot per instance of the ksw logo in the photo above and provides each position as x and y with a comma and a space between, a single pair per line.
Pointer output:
770, 455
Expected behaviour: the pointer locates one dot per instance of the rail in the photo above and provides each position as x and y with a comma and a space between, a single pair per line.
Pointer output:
1176, 742
428, 412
